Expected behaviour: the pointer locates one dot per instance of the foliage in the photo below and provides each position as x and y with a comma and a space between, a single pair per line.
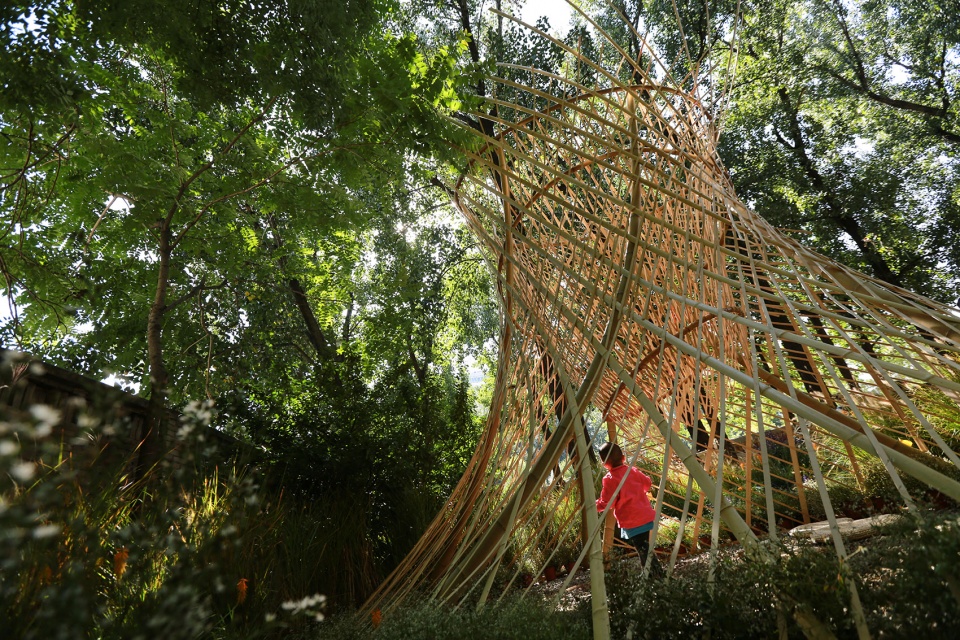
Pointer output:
904, 580
148, 206
389, 454
194, 548
226, 200
913, 582
847, 500
843, 132
521, 619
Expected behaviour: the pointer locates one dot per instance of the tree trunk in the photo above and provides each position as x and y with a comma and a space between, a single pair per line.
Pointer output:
833, 210
153, 440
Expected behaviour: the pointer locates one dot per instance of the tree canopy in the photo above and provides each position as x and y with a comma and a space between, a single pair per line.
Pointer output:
231, 200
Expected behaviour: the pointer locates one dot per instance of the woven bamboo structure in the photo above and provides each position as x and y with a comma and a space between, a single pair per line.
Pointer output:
643, 303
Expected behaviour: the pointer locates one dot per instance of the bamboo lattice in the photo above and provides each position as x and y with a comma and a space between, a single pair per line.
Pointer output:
643, 303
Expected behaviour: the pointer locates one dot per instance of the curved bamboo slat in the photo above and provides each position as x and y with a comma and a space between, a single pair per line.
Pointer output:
643, 301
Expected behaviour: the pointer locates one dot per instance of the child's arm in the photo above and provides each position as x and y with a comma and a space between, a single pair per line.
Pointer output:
606, 493
645, 482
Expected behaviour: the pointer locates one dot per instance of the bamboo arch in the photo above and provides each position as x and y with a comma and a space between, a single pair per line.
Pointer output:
747, 374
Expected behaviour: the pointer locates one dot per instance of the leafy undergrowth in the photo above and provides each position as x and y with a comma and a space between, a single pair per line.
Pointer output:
516, 619
97, 548
206, 552
906, 578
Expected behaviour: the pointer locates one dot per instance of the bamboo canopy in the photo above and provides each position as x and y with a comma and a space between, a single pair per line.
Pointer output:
643, 303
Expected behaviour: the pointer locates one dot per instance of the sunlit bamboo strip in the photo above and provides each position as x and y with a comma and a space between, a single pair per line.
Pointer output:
792, 335
444, 587
859, 618
905, 399
831, 348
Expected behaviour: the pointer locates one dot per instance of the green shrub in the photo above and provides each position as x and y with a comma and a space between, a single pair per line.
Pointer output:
847, 500
908, 580
912, 577
881, 490
738, 603
516, 619
189, 550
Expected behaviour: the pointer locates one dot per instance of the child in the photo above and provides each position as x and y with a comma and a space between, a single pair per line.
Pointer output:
632, 508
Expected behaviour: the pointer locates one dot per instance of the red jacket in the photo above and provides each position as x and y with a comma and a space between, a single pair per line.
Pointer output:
632, 507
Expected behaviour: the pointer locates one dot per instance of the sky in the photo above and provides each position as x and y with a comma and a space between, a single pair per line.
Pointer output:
558, 11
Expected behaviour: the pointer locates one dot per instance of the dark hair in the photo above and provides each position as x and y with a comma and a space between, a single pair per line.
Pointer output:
610, 452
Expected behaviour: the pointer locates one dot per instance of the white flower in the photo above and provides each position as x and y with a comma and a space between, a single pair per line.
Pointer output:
196, 411
9, 448
45, 414
46, 531
87, 421
305, 605
23, 471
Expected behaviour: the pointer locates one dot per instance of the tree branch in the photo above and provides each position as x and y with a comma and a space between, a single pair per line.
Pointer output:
897, 103
833, 209
318, 339
314, 333
207, 166
194, 290
420, 371
345, 336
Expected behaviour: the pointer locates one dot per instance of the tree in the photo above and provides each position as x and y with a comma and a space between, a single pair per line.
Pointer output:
205, 197
195, 125
842, 133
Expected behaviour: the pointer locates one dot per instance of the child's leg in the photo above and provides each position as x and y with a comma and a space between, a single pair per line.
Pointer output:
641, 543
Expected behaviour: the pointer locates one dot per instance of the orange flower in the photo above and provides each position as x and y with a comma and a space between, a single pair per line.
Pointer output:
376, 617
120, 561
241, 590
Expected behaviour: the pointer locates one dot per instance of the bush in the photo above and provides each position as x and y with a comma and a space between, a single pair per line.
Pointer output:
912, 578
847, 500
908, 580
881, 490
737, 603
517, 619
188, 550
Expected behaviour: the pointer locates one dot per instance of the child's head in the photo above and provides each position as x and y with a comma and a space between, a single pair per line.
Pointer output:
611, 454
